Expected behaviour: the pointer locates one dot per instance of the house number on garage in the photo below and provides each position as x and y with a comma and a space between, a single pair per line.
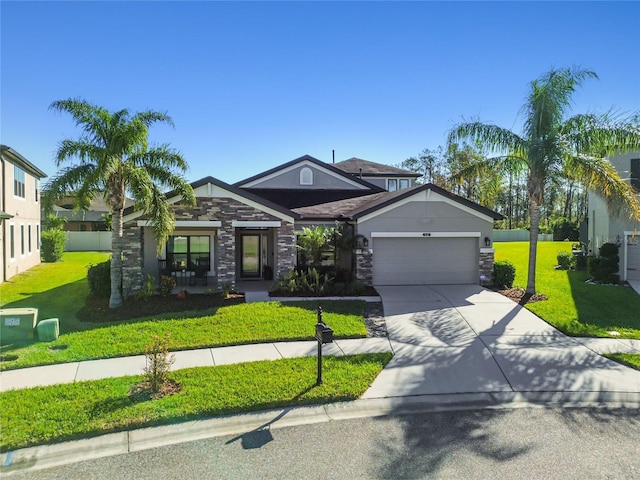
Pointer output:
426, 234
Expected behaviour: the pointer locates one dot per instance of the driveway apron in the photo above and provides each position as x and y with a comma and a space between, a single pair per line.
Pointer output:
454, 339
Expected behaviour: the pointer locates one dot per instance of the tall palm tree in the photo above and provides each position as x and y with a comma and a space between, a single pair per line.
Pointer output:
114, 160
553, 145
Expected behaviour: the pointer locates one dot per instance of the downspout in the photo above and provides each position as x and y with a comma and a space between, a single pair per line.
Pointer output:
4, 225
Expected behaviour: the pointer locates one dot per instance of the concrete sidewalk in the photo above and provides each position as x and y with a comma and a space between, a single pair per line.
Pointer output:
204, 357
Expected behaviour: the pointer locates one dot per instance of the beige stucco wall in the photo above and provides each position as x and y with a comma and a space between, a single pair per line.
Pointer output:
26, 217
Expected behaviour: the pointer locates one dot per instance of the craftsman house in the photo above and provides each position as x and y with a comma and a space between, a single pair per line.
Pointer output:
406, 233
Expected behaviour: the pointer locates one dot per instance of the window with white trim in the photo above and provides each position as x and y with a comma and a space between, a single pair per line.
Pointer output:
21, 239
18, 181
306, 176
186, 251
392, 184
29, 238
37, 192
404, 183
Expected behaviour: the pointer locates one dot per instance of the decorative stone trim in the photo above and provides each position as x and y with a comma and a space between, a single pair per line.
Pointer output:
364, 266
132, 260
486, 268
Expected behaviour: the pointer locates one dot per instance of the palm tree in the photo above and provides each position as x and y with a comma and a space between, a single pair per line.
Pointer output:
114, 160
553, 145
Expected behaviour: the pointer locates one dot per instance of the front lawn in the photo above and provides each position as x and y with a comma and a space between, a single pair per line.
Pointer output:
573, 306
231, 325
629, 359
57, 290
62, 412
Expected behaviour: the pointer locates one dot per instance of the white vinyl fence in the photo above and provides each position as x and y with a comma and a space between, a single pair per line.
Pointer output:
519, 236
88, 242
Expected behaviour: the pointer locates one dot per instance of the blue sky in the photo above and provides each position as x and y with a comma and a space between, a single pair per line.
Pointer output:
253, 85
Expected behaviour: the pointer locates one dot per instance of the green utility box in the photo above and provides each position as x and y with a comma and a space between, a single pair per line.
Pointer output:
48, 330
17, 324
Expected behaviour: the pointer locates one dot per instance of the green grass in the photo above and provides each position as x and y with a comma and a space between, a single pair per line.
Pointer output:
629, 359
56, 289
230, 325
573, 307
63, 412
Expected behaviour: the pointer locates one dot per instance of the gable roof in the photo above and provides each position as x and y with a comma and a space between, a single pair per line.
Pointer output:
355, 166
230, 188
331, 168
19, 160
354, 208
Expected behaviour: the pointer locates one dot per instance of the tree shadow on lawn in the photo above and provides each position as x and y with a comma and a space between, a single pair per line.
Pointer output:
607, 307
60, 302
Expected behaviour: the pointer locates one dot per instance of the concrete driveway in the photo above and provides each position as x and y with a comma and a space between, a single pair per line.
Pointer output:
464, 339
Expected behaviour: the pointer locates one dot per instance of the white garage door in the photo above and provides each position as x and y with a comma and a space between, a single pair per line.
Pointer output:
633, 262
425, 261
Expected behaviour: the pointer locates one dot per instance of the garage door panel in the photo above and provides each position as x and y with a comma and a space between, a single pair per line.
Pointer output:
425, 261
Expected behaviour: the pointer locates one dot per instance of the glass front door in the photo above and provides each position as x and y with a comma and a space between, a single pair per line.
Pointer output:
251, 264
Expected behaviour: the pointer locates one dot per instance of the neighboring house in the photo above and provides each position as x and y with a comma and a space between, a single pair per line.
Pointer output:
416, 235
93, 219
620, 230
19, 213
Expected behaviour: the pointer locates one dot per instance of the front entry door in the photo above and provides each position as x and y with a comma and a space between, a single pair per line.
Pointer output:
251, 262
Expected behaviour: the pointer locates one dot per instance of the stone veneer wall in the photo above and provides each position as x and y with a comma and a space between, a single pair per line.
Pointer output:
225, 210
286, 249
364, 266
486, 268
132, 260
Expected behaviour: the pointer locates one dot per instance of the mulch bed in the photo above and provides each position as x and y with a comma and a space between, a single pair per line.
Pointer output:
518, 294
97, 309
143, 392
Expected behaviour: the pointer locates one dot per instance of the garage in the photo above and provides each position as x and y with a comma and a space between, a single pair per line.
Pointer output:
420, 260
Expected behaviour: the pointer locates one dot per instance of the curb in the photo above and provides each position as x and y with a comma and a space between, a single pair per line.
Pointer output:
47, 456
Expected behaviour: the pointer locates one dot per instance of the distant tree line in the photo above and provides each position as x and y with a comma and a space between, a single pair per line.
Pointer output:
565, 204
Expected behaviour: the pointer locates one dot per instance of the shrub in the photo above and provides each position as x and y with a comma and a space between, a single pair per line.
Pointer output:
167, 283
310, 282
581, 262
504, 273
158, 362
566, 260
146, 292
593, 266
605, 267
52, 244
99, 277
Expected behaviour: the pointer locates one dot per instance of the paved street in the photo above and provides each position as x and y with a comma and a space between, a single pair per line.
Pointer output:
520, 443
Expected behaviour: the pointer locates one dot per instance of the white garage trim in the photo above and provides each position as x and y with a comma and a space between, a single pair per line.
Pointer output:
425, 234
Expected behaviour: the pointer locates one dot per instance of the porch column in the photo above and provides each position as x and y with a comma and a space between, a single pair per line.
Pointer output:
285, 250
132, 260
226, 255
